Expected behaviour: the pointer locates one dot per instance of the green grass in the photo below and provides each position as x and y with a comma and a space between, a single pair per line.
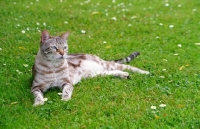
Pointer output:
105, 102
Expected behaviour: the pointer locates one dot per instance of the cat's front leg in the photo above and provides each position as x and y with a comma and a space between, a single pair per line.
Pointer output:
67, 91
39, 99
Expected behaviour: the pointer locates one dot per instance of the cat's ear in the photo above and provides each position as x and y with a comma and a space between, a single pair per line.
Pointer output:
65, 35
44, 36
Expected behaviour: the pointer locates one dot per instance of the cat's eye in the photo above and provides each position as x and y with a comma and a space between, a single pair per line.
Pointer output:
65, 47
54, 47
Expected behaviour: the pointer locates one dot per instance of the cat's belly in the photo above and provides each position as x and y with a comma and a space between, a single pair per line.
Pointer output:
91, 67
86, 69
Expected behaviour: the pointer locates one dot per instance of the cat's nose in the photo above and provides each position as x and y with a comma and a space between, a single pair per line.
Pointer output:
61, 52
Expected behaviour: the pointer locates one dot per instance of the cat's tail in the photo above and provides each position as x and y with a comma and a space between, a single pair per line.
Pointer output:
127, 59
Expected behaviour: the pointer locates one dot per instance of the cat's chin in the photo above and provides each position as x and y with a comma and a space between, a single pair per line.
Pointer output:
62, 57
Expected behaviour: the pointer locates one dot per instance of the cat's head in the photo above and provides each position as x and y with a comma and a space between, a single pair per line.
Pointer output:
54, 47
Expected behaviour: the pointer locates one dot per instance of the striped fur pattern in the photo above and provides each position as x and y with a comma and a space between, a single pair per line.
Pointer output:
127, 59
54, 67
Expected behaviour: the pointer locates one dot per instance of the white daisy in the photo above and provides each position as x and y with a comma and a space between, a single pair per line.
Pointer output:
23, 31
153, 107
83, 31
162, 105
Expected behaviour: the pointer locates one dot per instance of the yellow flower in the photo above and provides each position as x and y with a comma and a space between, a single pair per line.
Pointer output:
157, 117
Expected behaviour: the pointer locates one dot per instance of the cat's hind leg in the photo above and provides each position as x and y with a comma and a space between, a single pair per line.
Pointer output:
134, 69
131, 68
110, 66
116, 73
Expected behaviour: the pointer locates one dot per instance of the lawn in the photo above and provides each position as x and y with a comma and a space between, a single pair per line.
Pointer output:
165, 32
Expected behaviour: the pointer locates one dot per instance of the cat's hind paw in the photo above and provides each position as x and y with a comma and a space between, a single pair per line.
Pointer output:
124, 75
145, 72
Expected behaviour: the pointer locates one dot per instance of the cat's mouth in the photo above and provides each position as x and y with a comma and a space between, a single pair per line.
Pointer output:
62, 57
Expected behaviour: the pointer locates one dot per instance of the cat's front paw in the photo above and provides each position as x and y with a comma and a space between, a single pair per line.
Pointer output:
66, 99
40, 101
66, 96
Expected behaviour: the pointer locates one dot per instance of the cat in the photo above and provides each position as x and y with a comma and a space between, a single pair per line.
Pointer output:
54, 67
